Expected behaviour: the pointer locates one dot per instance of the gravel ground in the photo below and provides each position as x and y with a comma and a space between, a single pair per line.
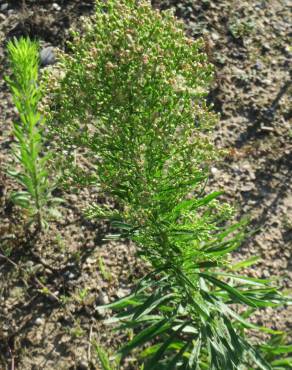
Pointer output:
50, 287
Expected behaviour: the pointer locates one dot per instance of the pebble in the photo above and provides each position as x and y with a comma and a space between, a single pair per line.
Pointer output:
91, 261
56, 7
16, 292
102, 298
266, 273
266, 47
4, 7
82, 365
247, 187
214, 170
121, 293
29, 264
69, 275
258, 66
267, 129
47, 56
101, 312
39, 321
267, 81
215, 36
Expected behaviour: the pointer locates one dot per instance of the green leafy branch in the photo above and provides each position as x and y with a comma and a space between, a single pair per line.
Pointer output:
31, 169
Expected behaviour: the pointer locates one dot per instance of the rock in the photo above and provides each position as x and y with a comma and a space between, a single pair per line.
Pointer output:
90, 261
35, 267
56, 7
101, 312
266, 273
122, 293
214, 170
266, 48
102, 298
29, 264
69, 275
47, 56
267, 82
39, 321
267, 128
215, 36
247, 187
82, 365
4, 7
16, 292
258, 66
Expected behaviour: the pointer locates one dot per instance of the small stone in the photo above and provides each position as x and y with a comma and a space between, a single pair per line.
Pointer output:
101, 312
47, 56
56, 7
5, 311
82, 365
215, 36
39, 321
247, 187
69, 275
266, 47
29, 264
267, 82
4, 7
214, 170
16, 292
121, 293
252, 175
258, 66
267, 128
91, 261
265, 273
102, 298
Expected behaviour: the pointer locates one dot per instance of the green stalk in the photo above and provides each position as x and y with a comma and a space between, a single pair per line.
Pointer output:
32, 173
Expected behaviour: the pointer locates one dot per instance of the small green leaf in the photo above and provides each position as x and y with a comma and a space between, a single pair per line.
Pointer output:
246, 263
194, 357
232, 291
145, 336
287, 362
130, 300
103, 358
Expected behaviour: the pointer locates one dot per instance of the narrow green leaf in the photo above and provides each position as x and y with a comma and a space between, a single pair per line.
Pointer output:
130, 300
232, 291
103, 358
277, 350
246, 263
153, 363
150, 304
284, 362
145, 336
177, 358
194, 357
244, 279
